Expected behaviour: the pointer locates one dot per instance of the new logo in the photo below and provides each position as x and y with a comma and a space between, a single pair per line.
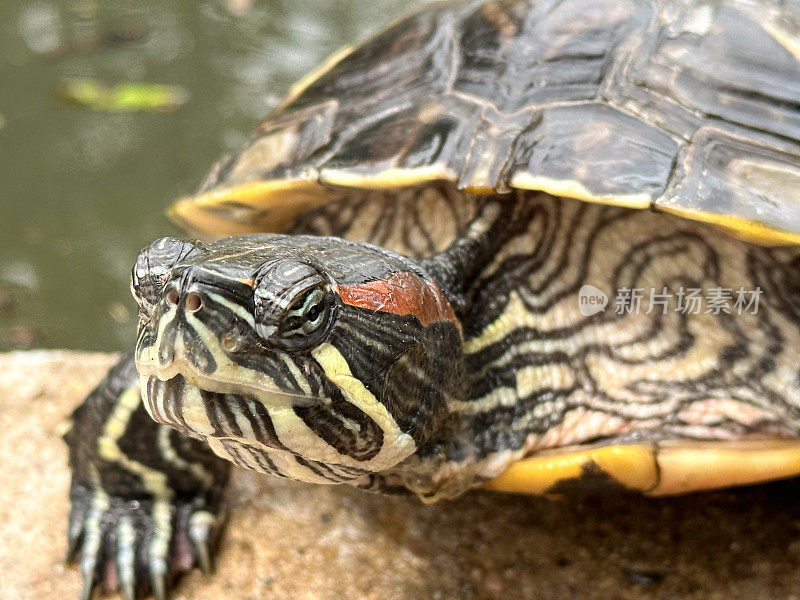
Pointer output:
591, 300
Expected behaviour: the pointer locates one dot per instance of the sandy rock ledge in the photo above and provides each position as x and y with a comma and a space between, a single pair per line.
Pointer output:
291, 540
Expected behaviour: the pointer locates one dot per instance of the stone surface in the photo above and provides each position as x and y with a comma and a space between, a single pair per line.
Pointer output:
290, 540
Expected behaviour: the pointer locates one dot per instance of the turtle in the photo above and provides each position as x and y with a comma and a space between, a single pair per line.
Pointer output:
533, 246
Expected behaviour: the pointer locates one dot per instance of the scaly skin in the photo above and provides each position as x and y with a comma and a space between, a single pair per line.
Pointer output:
146, 499
531, 371
111, 505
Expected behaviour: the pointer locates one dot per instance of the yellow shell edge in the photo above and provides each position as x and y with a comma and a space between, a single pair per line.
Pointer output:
276, 203
576, 190
657, 469
748, 231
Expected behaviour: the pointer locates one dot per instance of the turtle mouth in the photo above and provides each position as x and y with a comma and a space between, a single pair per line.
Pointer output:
241, 428
179, 403
182, 394
239, 407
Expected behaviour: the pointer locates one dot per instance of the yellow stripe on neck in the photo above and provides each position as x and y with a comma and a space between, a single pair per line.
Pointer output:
397, 445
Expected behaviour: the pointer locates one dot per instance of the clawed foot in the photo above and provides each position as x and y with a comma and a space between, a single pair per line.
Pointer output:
139, 545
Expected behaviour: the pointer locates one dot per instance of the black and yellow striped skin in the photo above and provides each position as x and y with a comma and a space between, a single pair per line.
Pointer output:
146, 500
446, 190
540, 399
495, 364
536, 410
364, 394
671, 396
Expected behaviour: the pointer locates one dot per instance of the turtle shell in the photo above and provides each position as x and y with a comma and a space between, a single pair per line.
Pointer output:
691, 108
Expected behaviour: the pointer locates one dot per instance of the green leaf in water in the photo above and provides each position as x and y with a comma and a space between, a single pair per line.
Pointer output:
127, 97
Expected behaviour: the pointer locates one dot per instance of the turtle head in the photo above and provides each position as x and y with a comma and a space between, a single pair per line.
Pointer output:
313, 358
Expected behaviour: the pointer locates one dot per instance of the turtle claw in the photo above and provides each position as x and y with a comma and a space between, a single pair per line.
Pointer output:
128, 590
73, 544
87, 590
138, 546
126, 558
90, 540
158, 584
77, 519
201, 526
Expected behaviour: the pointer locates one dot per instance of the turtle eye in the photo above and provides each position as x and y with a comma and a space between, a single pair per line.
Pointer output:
153, 268
293, 304
307, 316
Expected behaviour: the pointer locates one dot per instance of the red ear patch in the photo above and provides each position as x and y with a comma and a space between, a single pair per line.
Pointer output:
402, 294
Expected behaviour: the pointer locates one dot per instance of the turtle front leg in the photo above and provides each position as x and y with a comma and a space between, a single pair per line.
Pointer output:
146, 500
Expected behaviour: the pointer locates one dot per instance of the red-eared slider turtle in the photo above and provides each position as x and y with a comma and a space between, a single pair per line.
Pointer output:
461, 291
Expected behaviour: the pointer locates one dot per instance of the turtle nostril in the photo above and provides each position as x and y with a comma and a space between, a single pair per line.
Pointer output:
172, 296
193, 302
230, 343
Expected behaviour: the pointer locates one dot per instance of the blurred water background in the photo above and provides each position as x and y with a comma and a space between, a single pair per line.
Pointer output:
81, 188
